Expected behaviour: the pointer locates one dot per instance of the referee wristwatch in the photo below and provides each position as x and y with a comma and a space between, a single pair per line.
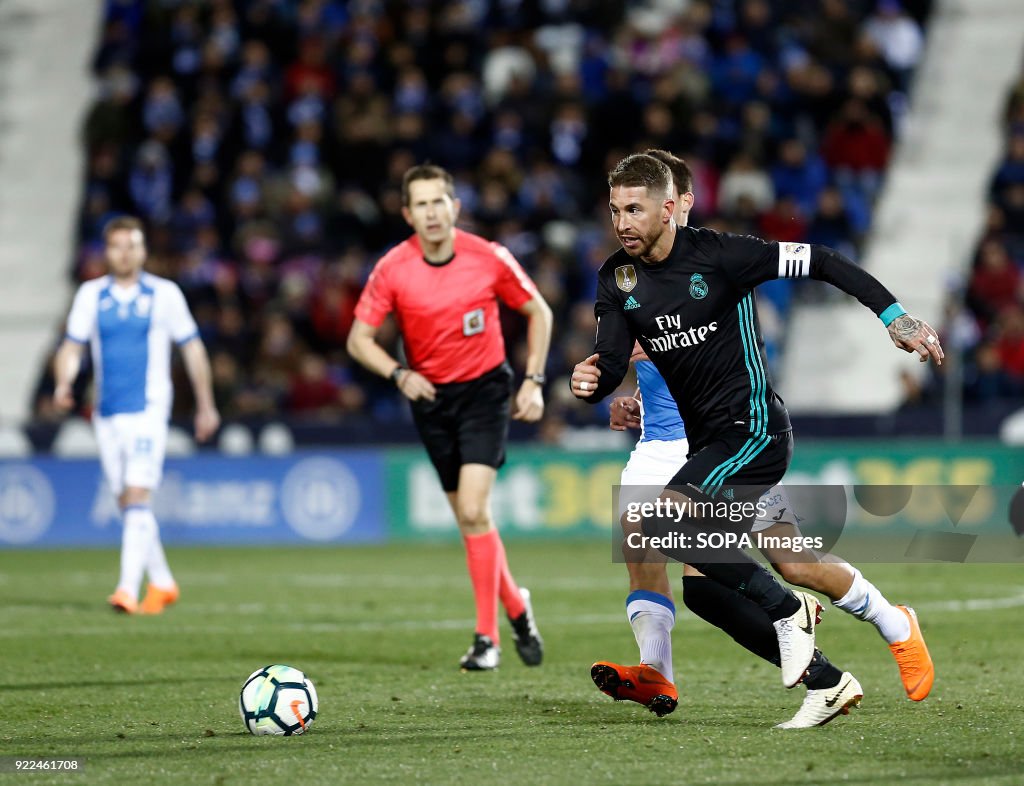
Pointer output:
540, 379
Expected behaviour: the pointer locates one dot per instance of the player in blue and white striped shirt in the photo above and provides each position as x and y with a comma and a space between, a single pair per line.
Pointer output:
129, 319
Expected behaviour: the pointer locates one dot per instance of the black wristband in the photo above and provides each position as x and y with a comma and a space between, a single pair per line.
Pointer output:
397, 373
540, 379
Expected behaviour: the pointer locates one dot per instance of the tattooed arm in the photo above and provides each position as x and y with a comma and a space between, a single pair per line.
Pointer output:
914, 335
825, 264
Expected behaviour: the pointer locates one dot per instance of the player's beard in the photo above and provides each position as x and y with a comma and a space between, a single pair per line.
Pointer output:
124, 269
646, 244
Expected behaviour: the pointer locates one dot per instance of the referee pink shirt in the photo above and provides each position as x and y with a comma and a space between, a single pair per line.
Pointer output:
448, 314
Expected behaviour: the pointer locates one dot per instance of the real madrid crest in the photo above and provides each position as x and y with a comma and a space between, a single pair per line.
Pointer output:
698, 287
625, 278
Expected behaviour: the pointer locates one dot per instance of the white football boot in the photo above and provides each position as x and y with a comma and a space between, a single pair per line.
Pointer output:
821, 706
796, 639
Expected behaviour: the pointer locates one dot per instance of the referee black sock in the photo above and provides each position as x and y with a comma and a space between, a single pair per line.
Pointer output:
752, 581
749, 626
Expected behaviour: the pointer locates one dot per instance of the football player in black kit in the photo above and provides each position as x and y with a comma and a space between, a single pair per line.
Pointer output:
686, 295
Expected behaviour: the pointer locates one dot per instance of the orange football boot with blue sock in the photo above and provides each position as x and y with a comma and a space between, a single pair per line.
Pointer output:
643, 684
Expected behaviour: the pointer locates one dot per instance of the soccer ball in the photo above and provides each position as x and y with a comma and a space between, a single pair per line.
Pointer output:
278, 700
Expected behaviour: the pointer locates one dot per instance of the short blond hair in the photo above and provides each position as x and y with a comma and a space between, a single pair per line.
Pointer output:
119, 223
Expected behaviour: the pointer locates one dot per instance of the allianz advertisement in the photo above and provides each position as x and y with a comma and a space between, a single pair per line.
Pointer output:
373, 495
313, 498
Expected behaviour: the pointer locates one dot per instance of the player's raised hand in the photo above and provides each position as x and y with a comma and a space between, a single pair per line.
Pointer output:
207, 421
584, 377
529, 403
915, 335
63, 398
416, 386
625, 413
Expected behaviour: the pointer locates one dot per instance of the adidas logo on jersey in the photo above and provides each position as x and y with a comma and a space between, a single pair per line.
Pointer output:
631, 304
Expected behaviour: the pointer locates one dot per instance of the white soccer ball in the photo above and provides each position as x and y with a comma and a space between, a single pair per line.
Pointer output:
278, 700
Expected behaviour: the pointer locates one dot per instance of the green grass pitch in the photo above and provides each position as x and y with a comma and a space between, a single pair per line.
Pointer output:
379, 630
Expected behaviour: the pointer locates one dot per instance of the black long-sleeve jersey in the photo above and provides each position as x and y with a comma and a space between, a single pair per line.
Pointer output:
694, 316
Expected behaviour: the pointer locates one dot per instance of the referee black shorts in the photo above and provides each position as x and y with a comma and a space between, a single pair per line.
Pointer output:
467, 423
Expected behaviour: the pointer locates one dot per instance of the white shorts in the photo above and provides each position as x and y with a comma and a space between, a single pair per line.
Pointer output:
651, 466
655, 463
132, 449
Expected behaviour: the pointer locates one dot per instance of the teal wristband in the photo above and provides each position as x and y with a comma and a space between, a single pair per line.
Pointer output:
895, 310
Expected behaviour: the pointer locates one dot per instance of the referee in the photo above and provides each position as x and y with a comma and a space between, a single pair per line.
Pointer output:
443, 286
686, 295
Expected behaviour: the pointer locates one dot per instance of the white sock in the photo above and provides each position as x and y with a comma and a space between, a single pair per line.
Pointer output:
156, 565
865, 602
652, 616
139, 531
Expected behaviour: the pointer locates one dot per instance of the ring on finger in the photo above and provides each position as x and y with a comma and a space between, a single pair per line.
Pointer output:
930, 339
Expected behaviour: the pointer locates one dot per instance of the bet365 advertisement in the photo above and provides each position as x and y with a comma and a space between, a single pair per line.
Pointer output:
547, 492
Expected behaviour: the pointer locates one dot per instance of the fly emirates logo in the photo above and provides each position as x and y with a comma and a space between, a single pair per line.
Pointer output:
674, 337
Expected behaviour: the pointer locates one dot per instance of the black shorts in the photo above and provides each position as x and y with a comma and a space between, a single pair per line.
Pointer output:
736, 465
467, 423
735, 469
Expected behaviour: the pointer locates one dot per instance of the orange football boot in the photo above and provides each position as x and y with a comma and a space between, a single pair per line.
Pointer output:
158, 599
122, 602
916, 668
642, 684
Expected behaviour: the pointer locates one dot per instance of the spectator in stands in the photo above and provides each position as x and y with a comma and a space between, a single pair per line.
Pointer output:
856, 146
831, 225
834, 36
1011, 169
898, 37
111, 121
798, 174
984, 379
784, 221
745, 179
871, 87
1010, 343
995, 283
311, 389
151, 182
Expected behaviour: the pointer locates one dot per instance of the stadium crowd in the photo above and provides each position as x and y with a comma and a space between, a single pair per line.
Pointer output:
263, 142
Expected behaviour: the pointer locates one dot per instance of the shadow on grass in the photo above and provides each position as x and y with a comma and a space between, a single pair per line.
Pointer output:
108, 683
226, 749
58, 604
177, 744
973, 773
